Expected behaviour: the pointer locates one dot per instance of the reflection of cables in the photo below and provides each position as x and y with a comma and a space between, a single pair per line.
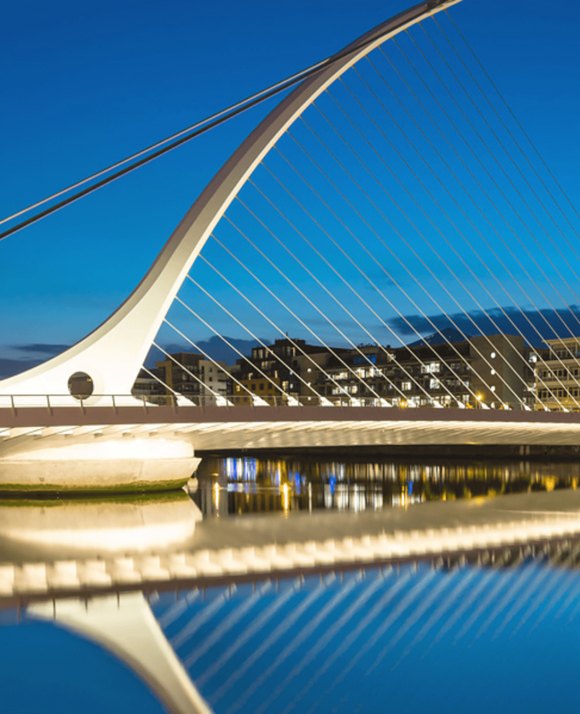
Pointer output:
144, 156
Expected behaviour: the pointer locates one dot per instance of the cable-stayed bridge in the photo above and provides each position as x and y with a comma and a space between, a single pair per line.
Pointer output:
390, 241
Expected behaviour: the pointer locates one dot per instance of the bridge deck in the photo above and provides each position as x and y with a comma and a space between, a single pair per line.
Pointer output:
147, 414
238, 427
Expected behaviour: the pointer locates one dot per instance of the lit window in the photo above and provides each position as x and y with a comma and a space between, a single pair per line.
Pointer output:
431, 368
493, 355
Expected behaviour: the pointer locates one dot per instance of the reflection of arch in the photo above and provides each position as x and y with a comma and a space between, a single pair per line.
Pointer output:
126, 626
114, 352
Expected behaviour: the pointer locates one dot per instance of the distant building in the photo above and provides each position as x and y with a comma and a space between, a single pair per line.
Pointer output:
492, 371
495, 371
558, 374
187, 374
146, 387
280, 373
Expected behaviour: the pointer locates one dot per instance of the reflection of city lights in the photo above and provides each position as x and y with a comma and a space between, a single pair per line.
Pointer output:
328, 498
359, 500
285, 497
404, 498
258, 484
216, 496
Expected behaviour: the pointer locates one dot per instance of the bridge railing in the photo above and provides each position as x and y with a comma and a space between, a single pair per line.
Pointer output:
15, 402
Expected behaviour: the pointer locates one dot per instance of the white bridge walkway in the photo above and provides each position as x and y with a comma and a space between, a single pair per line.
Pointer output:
239, 427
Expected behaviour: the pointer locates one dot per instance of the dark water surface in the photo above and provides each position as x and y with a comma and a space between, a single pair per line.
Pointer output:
234, 486
494, 631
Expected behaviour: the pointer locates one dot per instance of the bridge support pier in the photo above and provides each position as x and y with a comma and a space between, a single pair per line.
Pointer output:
97, 464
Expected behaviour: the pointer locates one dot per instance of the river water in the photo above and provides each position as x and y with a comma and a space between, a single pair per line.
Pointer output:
237, 485
492, 631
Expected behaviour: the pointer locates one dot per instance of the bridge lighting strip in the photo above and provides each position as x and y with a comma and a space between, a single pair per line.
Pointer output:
384, 432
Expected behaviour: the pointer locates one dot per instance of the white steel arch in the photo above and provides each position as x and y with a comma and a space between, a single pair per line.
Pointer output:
113, 353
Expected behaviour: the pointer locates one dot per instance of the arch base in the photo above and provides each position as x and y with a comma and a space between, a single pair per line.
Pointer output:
113, 466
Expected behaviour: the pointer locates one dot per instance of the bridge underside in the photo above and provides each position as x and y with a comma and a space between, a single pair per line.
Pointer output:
312, 434
314, 426
133, 448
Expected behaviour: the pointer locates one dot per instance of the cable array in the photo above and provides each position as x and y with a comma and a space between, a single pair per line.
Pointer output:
398, 246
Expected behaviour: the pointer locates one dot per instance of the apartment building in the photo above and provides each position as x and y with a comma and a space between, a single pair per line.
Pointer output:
558, 374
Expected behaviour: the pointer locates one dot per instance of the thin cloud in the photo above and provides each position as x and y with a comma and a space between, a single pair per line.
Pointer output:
41, 348
534, 325
10, 367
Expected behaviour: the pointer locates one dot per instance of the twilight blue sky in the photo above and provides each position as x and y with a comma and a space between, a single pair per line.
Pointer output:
84, 84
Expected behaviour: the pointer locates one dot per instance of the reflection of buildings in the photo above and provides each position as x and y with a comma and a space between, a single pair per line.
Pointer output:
558, 374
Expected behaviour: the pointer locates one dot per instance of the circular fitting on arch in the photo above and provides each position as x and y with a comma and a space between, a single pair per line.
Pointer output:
80, 385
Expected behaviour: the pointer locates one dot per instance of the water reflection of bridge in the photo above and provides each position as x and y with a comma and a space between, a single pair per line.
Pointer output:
331, 591
67, 548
